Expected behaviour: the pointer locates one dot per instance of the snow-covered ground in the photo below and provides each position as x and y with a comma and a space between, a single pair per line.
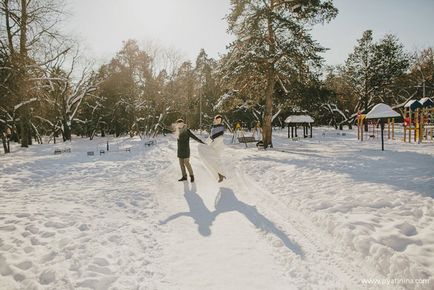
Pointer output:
324, 213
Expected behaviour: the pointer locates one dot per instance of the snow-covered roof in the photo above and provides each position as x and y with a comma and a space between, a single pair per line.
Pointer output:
413, 104
382, 111
299, 119
426, 102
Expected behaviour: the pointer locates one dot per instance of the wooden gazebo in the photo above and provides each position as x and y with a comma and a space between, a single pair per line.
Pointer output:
294, 121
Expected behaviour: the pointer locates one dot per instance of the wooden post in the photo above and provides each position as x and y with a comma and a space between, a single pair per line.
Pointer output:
358, 128
393, 128
382, 137
416, 125
388, 128
431, 115
288, 130
422, 124
426, 129
405, 127
409, 125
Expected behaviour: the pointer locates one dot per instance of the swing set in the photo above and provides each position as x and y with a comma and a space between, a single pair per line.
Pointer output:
242, 138
362, 121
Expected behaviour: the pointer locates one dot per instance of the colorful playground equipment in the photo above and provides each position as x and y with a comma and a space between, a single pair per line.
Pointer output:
419, 119
361, 121
382, 112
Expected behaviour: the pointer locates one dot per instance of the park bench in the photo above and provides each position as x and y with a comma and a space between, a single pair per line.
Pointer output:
60, 151
90, 153
149, 143
126, 149
246, 140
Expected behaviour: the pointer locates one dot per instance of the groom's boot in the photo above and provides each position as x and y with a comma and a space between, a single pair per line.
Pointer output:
191, 178
221, 177
184, 178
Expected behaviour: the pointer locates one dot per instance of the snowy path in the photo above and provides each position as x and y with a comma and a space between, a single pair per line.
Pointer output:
237, 236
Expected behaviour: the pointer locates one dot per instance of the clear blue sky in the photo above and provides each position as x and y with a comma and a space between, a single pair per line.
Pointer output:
411, 20
189, 25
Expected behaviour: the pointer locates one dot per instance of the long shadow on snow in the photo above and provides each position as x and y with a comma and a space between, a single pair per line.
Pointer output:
403, 170
226, 201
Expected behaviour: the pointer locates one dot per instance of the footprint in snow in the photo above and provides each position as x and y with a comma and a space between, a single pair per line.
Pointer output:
9, 228
101, 262
23, 215
99, 270
32, 228
25, 265
57, 225
48, 276
83, 227
19, 277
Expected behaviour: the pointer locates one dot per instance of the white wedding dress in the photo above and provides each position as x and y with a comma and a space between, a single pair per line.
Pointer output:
210, 154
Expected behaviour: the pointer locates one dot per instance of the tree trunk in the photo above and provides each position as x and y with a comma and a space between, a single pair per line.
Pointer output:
366, 122
66, 131
5, 144
267, 126
29, 133
271, 81
14, 136
24, 132
24, 119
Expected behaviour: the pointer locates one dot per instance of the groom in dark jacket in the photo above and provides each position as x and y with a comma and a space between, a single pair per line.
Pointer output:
184, 134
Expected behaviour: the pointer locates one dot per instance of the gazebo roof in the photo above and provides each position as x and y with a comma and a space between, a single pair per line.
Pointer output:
298, 119
382, 111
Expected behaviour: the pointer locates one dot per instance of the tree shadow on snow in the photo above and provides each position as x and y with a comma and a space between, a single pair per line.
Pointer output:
226, 201
403, 170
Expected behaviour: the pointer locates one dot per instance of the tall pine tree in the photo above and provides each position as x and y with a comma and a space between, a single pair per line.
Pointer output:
272, 42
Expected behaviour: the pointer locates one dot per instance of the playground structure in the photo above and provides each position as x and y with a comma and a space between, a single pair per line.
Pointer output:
294, 121
419, 119
361, 122
381, 112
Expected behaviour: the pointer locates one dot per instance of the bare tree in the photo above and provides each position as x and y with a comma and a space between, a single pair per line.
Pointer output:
27, 26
